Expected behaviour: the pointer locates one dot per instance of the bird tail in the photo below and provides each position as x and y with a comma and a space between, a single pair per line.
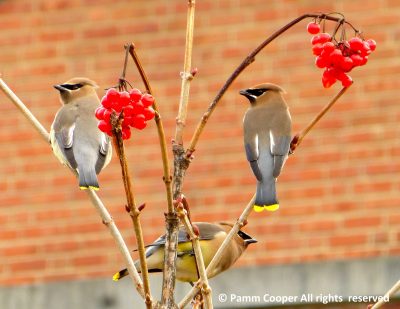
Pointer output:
266, 196
88, 179
120, 274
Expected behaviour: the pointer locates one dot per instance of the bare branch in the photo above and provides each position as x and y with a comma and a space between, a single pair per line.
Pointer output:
96, 201
393, 290
180, 165
131, 206
109, 222
205, 288
217, 257
299, 137
160, 128
186, 75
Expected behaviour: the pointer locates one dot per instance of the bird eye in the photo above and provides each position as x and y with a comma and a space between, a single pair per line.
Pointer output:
72, 87
243, 235
256, 92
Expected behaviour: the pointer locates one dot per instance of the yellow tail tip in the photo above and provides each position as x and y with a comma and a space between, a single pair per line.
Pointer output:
273, 207
90, 187
258, 208
116, 277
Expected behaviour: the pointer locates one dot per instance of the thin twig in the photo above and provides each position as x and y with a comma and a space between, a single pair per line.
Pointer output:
160, 128
180, 166
217, 257
299, 137
109, 222
133, 210
206, 289
186, 75
393, 290
96, 201
245, 63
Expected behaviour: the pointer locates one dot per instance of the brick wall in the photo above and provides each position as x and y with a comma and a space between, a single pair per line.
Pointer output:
339, 192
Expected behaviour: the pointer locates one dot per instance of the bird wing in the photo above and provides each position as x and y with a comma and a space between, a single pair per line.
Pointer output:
280, 140
207, 232
63, 128
105, 153
251, 143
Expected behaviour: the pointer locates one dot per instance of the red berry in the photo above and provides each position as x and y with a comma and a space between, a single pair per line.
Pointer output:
328, 78
106, 102
313, 28
321, 62
124, 98
139, 122
347, 81
347, 64
357, 59
355, 43
112, 94
317, 49
148, 113
372, 44
324, 37
128, 121
128, 111
147, 100
107, 115
336, 57
126, 133
328, 47
138, 108
104, 126
365, 50
135, 94
364, 60
99, 113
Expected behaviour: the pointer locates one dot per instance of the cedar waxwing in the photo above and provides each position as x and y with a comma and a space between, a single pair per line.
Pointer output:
74, 136
211, 237
267, 134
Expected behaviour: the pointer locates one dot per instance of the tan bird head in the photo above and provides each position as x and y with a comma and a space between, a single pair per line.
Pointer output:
241, 237
262, 93
75, 88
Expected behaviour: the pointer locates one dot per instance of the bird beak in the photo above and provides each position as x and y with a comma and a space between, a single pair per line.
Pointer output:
244, 92
248, 95
250, 241
60, 88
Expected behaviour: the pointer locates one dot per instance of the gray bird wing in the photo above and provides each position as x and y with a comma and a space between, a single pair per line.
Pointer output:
63, 126
251, 143
280, 140
105, 148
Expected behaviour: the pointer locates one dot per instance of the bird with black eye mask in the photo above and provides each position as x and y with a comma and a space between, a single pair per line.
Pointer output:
74, 136
267, 128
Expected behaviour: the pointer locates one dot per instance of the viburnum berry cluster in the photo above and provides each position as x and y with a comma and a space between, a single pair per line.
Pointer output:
136, 108
338, 57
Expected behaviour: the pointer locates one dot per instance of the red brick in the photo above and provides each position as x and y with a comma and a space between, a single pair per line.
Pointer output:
348, 240
338, 192
366, 222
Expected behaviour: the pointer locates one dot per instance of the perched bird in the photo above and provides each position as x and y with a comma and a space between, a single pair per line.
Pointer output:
211, 237
74, 136
267, 134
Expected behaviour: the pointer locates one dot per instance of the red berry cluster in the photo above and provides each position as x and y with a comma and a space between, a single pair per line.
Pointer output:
135, 105
338, 58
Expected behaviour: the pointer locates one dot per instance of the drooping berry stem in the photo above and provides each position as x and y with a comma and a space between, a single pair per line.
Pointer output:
245, 63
